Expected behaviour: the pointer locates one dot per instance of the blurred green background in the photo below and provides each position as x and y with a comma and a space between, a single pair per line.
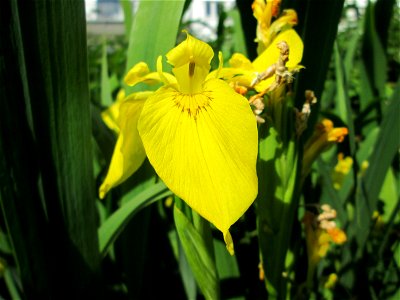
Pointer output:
58, 240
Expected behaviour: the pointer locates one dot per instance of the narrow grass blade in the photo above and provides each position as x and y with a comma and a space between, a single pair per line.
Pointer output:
189, 282
11, 285
373, 54
115, 224
105, 87
342, 98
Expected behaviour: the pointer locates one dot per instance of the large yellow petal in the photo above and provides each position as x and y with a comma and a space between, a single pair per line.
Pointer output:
271, 55
204, 147
128, 153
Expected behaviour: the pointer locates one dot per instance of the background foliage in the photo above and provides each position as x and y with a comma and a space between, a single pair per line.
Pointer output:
55, 149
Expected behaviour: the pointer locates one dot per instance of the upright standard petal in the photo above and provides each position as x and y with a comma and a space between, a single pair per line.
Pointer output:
128, 153
204, 147
191, 50
191, 60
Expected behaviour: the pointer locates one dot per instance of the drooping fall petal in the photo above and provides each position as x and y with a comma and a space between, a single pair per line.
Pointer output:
204, 147
128, 153
110, 115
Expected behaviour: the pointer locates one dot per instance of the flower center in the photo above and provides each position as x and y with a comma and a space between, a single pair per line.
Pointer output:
192, 104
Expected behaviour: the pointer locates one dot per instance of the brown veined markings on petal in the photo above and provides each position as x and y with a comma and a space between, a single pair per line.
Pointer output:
192, 103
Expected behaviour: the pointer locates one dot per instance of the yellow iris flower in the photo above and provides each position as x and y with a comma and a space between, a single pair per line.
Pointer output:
199, 135
264, 11
243, 72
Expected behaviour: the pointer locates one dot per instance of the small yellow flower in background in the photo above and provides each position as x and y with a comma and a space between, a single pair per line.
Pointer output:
264, 11
364, 167
2, 267
243, 72
342, 168
321, 230
169, 201
379, 224
325, 135
331, 281
261, 73
198, 133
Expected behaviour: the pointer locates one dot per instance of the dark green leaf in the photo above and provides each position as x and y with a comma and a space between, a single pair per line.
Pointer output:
198, 256
47, 193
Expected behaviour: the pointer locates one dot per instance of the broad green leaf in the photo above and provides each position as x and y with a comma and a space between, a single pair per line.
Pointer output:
373, 54
198, 256
276, 203
115, 224
127, 8
387, 145
384, 10
48, 202
188, 280
370, 184
239, 42
154, 31
318, 27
